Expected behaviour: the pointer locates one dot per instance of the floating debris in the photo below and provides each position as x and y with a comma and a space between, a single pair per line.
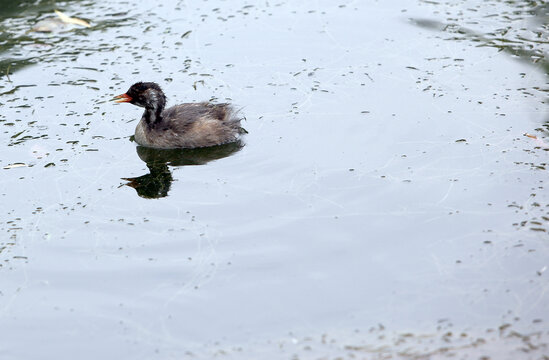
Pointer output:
58, 24
14, 165
539, 142
69, 20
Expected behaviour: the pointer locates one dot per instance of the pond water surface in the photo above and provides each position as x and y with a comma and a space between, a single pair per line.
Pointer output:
389, 200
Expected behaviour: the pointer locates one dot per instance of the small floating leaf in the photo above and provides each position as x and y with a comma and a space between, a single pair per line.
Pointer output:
14, 165
16, 135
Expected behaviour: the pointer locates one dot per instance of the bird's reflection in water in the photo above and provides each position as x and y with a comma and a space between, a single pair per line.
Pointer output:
157, 182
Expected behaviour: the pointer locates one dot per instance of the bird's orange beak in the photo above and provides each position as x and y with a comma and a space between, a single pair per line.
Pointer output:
122, 98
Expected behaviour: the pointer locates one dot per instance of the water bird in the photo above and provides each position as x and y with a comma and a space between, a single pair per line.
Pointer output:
185, 126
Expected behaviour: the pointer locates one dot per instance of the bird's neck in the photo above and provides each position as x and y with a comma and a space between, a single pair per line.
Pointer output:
154, 105
153, 114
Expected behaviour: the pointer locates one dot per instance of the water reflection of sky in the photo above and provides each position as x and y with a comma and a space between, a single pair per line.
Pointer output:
386, 186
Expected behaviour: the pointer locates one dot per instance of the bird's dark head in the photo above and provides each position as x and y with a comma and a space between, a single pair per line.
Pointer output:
145, 94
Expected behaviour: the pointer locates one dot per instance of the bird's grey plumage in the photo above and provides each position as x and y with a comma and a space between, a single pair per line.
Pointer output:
189, 125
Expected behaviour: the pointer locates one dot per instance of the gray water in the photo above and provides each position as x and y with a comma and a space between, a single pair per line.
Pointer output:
388, 202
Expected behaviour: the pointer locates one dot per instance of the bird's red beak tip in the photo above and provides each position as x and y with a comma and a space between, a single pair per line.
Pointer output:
122, 98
